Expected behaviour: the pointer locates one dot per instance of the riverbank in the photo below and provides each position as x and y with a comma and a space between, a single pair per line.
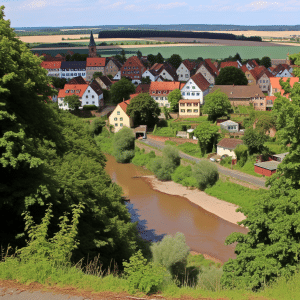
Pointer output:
220, 208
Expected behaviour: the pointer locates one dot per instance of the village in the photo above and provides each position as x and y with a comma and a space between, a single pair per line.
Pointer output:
194, 80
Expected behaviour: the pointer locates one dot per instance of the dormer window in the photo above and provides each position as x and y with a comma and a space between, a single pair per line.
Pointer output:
153, 92
77, 91
72, 91
159, 92
67, 91
89, 91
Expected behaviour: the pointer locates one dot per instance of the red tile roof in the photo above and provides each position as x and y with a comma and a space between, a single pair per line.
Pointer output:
273, 98
95, 61
201, 82
274, 81
229, 143
77, 80
244, 68
133, 96
51, 64
225, 64
157, 67
142, 88
78, 89
189, 100
189, 65
164, 86
212, 66
124, 105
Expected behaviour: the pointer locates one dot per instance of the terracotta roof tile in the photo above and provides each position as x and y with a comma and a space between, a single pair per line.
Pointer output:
189, 65
200, 81
225, 64
229, 143
189, 100
124, 105
78, 89
77, 80
143, 88
167, 86
51, 65
244, 68
95, 62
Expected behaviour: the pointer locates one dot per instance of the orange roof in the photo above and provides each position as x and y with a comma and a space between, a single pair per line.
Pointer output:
244, 68
133, 60
201, 82
212, 66
189, 65
133, 96
95, 61
51, 64
189, 100
275, 81
229, 64
164, 85
271, 98
124, 105
78, 89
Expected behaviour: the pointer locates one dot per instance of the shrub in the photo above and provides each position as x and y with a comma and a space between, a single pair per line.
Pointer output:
162, 168
143, 276
183, 175
206, 174
141, 158
97, 125
123, 145
90, 107
172, 154
226, 161
171, 250
241, 152
209, 278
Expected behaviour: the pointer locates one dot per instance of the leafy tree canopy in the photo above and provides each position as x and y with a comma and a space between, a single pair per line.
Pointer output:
175, 60
254, 139
123, 145
173, 99
139, 54
59, 83
159, 58
230, 76
144, 110
266, 61
216, 105
145, 80
121, 90
73, 101
151, 59
97, 74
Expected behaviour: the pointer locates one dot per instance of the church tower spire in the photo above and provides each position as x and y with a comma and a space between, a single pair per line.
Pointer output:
92, 47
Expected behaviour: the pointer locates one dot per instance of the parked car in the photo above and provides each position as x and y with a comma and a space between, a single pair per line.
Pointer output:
212, 159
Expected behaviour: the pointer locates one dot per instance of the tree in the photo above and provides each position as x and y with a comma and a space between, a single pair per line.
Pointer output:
207, 135
230, 76
97, 74
266, 61
123, 145
237, 57
216, 105
79, 57
241, 152
254, 139
121, 90
145, 80
205, 173
151, 59
159, 59
144, 110
173, 99
59, 83
139, 54
123, 55
73, 101
175, 60
97, 125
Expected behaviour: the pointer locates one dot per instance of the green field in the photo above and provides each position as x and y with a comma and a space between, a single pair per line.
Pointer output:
193, 52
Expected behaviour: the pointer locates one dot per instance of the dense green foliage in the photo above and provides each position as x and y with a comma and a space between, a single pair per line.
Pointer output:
241, 152
205, 173
141, 158
47, 156
254, 139
97, 126
173, 99
230, 76
266, 61
58, 83
121, 90
123, 145
216, 105
144, 110
175, 60
90, 107
72, 101
183, 175
207, 135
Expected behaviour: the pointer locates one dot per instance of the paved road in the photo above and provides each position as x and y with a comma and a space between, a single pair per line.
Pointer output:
260, 182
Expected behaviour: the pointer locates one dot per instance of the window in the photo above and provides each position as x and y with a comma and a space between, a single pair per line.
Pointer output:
193, 94
115, 119
187, 87
166, 98
182, 104
93, 96
118, 113
195, 110
164, 73
86, 96
182, 110
123, 72
68, 74
189, 111
93, 102
261, 104
116, 124
193, 87
63, 74
75, 74
86, 102
121, 124
72, 91
187, 94
198, 94
124, 68
196, 104
161, 98
181, 75
183, 93
189, 104
71, 74
153, 92
121, 119
67, 91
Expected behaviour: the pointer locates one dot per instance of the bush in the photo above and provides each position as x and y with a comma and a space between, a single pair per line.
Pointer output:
162, 168
142, 276
141, 158
209, 278
241, 152
183, 175
206, 174
96, 126
226, 161
172, 154
170, 250
90, 107
123, 145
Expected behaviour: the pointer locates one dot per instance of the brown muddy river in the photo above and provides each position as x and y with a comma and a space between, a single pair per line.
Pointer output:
159, 214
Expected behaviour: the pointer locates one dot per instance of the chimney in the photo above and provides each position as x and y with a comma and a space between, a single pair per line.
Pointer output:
123, 99
233, 85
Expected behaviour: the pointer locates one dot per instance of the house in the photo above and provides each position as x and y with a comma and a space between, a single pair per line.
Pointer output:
189, 108
226, 147
94, 64
196, 88
70, 69
113, 66
142, 88
117, 76
276, 62
93, 95
77, 80
275, 86
133, 69
119, 118
104, 82
53, 67
230, 126
68, 90
225, 64
270, 102
282, 70
159, 91
208, 70
151, 74
266, 168
167, 72
186, 70
243, 95
157, 68
251, 64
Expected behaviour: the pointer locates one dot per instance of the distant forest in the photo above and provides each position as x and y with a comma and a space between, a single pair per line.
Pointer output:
177, 34
23, 31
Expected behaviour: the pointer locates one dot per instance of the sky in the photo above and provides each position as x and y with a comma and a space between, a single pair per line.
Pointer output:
57, 13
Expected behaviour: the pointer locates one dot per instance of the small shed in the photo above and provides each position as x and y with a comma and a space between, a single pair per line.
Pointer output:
227, 146
230, 126
140, 131
266, 168
279, 157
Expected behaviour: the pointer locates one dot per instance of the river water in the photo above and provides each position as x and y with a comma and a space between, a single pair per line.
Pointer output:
159, 214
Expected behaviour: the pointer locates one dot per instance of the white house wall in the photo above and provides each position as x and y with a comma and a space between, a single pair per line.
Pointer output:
183, 73
187, 91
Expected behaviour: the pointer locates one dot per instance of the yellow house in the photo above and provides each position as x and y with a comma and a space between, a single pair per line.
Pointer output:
119, 118
189, 108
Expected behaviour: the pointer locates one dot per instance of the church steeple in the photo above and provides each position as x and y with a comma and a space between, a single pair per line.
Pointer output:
92, 47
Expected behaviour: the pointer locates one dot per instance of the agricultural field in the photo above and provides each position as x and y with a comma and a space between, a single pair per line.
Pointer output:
193, 52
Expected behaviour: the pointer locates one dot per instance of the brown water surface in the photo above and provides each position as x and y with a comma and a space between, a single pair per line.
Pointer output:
159, 214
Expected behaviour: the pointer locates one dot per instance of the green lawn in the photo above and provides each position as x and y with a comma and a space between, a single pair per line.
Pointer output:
276, 147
